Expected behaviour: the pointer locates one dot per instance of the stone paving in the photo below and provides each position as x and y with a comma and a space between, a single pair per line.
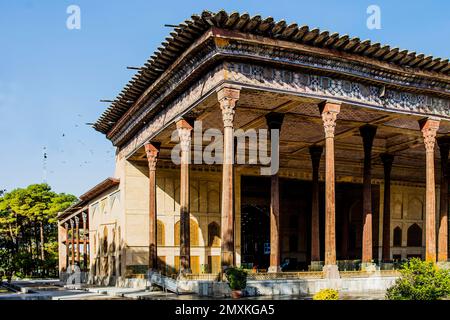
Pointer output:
54, 290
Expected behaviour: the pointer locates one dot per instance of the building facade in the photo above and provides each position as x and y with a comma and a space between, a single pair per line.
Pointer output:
363, 149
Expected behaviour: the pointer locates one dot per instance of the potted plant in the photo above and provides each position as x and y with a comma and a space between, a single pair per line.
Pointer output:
237, 280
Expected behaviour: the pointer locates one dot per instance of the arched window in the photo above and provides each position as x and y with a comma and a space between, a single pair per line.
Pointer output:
397, 237
194, 233
160, 233
176, 233
95, 245
414, 236
113, 241
213, 235
105, 241
193, 228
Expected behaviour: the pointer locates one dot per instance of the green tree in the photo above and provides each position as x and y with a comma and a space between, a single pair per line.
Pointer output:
420, 280
28, 228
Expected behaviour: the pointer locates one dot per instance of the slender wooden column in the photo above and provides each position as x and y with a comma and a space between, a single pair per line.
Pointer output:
315, 153
67, 262
85, 237
227, 98
368, 134
329, 112
387, 160
184, 132
77, 235
429, 129
274, 122
72, 251
444, 144
152, 150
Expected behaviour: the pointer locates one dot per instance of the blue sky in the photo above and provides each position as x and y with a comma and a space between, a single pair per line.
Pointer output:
52, 78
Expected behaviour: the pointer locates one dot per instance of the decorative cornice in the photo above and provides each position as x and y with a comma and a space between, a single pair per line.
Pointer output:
284, 81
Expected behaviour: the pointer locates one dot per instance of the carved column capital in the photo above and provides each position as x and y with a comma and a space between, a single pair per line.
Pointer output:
184, 132
152, 150
429, 128
227, 98
77, 221
368, 133
84, 216
329, 112
71, 223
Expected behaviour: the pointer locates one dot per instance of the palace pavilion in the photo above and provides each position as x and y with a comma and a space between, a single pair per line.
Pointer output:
363, 158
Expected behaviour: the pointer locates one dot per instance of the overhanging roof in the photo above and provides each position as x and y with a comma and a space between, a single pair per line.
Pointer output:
103, 186
81, 204
189, 31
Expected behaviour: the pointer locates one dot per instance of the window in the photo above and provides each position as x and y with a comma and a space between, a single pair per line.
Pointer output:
213, 235
414, 238
105, 241
397, 237
160, 233
214, 264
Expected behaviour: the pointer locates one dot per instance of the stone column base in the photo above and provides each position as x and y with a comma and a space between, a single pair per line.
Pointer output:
444, 265
316, 266
368, 266
331, 271
274, 269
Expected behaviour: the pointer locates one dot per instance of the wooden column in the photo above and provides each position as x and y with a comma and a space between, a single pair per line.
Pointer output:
429, 129
444, 144
85, 237
184, 132
66, 227
72, 251
315, 153
77, 235
152, 150
387, 160
227, 98
329, 112
368, 134
65, 237
274, 122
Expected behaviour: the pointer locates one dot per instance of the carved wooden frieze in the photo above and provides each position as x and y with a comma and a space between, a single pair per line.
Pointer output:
323, 87
284, 81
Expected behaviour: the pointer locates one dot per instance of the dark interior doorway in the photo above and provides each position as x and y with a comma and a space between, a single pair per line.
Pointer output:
295, 221
255, 236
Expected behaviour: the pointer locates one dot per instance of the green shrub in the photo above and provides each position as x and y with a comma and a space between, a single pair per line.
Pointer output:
326, 294
237, 278
420, 280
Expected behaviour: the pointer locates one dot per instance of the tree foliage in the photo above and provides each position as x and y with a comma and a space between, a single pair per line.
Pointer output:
28, 230
420, 280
